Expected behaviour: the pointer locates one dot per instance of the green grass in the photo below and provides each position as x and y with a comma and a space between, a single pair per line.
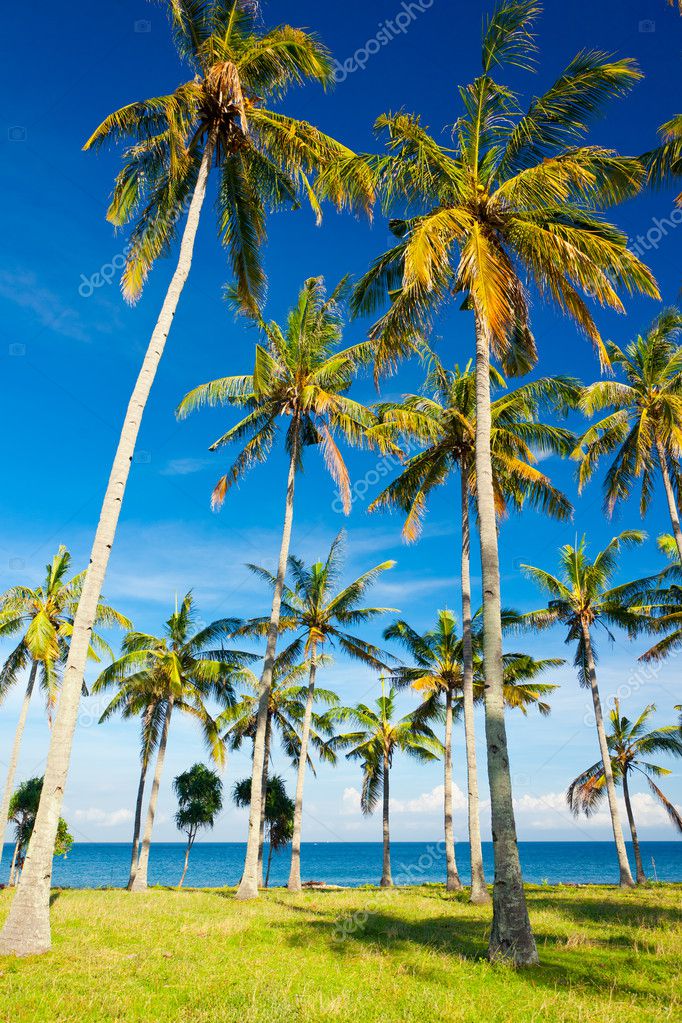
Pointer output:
607, 956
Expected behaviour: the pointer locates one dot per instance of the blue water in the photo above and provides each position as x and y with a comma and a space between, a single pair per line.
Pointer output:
95, 865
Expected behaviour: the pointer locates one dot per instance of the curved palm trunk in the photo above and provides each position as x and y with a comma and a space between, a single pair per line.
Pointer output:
386, 879
263, 798
190, 843
140, 880
641, 876
479, 891
14, 755
248, 886
670, 495
294, 884
135, 853
13, 868
452, 883
511, 936
623, 864
27, 928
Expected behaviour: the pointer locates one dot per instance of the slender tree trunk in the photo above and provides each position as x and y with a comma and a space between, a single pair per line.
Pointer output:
14, 755
452, 883
625, 874
263, 798
140, 881
27, 928
294, 884
13, 868
248, 886
511, 936
641, 876
670, 495
190, 843
135, 854
267, 873
386, 878
479, 891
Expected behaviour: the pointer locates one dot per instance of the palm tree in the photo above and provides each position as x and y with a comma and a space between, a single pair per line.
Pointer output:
374, 744
183, 669
443, 421
312, 608
581, 599
278, 814
510, 200
644, 424
287, 709
44, 616
629, 744
664, 163
266, 160
300, 376
200, 800
439, 671
23, 807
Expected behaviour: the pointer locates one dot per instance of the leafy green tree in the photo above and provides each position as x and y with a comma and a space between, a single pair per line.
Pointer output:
286, 716
279, 814
200, 800
510, 200
23, 807
181, 670
581, 599
301, 377
439, 674
314, 608
443, 422
221, 115
643, 428
43, 617
630, 746
379, 736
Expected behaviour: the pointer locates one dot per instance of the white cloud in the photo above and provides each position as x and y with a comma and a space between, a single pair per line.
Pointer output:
430, 802
103, 818
350, 802
184, 466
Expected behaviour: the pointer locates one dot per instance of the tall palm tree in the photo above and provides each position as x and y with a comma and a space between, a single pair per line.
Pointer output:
582, 598
379, 736
510, 200
630, 746
643, 429
440, 672
443, 422
183, 669
287, 711
312, 608
43, 616
301, 377
266, 160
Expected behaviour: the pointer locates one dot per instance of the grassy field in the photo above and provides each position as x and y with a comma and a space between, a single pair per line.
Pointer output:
360, 955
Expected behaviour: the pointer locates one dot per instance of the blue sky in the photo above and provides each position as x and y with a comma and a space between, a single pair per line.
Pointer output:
69, 358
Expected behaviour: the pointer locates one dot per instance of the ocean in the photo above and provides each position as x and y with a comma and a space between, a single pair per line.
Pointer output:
212, 865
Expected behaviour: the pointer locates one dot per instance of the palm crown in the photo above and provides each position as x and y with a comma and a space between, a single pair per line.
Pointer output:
300, 375
644, 426
443, 419
265, 159
44, 615
514, 198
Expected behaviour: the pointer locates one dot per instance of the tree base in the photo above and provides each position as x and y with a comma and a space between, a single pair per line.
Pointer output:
246, 892
479, 897
386, 882
27, 929
453, 884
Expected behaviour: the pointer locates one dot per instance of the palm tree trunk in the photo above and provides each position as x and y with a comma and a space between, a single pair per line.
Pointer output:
140, 880
14, 755
641, 876
267, 873
263, 799
625, 874
27, 927
13, 868
294, 884
670, 495
479, 891
248, 886
135, 854
386, 879
190, 842
452, 883
511, 936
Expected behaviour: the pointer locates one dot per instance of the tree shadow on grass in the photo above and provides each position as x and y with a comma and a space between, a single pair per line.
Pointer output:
622, 909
